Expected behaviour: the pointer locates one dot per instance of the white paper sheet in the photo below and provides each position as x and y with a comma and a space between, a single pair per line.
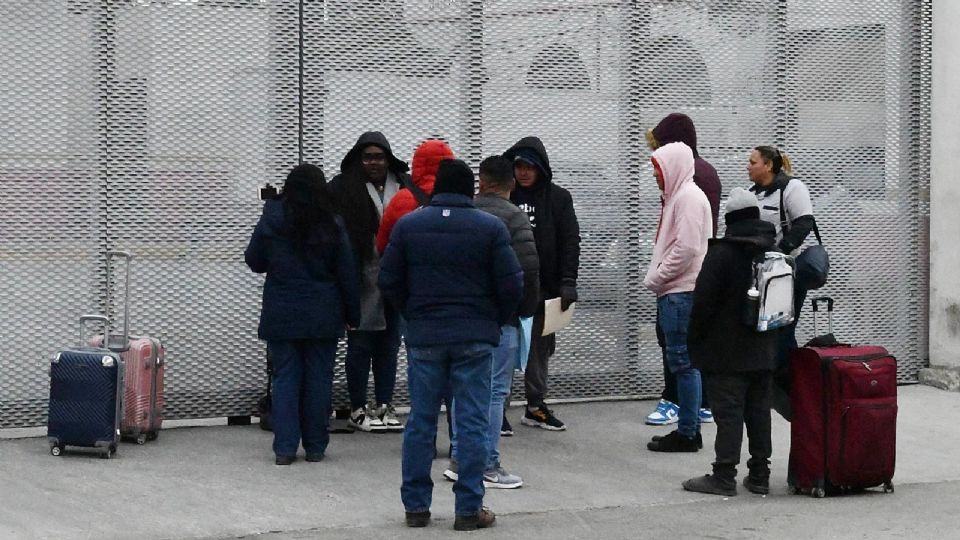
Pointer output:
554, 318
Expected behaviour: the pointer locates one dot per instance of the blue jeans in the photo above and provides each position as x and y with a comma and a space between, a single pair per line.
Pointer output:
674, 318
505, 358
466, 368
302, 385
379, 349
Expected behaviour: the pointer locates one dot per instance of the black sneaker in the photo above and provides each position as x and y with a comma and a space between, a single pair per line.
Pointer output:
506, 430
712, 485
285, 460
699, 438
418, 519
760, 486
543, 418
481, 520
674, 442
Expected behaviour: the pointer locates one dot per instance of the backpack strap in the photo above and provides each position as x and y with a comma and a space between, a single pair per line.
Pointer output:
421, 196
784, 226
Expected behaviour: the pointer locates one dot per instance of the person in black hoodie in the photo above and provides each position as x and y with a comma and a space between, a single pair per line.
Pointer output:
557, 235
737, 362
678, 127
370, 175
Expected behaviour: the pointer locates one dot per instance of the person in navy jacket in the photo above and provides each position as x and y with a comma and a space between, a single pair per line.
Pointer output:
310, 296
451, 270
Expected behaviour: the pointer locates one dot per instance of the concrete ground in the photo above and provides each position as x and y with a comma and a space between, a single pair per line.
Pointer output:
596, 480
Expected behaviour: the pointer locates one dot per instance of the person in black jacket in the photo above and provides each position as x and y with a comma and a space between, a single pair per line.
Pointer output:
450, 269
310, 294
496, 183
737, 362
370, 175
557, 235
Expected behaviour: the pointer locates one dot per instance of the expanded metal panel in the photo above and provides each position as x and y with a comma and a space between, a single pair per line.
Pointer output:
147, 126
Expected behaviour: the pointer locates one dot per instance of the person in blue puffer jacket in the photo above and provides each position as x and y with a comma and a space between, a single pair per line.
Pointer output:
310, 296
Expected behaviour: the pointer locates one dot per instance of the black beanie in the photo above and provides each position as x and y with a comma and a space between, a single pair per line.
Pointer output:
454, 176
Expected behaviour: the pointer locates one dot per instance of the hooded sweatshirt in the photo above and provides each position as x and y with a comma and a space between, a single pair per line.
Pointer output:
678, 127
553, 218
685, 224
426, 161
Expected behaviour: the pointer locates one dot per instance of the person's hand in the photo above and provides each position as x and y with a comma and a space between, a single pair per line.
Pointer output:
568, 295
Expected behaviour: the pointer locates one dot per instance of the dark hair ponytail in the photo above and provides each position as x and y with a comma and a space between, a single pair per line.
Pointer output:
780, 160
308, 214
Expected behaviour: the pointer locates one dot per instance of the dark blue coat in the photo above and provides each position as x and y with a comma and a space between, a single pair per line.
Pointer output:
451, 270
309, 296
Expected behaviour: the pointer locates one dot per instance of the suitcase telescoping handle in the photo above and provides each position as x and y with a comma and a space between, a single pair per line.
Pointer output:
83, 321
816, 302
109, 340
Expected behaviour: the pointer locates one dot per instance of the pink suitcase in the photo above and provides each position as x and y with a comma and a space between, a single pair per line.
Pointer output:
143, 360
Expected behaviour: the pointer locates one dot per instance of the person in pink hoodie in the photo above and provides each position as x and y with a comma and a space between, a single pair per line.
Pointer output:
686, 224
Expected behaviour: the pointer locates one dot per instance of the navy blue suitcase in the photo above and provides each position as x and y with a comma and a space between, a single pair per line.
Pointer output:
86, 397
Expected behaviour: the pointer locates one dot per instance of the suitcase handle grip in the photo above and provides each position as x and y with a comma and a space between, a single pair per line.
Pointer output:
102, 318
816, 302
126, 301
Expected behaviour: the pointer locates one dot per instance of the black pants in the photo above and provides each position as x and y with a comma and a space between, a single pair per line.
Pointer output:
541, 349
738, 399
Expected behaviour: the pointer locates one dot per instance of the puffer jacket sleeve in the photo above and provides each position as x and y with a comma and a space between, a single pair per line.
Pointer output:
256, 253
348, 279
392, 280
525, 246
568, 233
507, 275
402, 204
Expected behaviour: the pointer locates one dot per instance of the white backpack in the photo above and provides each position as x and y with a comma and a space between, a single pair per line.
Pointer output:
770, 298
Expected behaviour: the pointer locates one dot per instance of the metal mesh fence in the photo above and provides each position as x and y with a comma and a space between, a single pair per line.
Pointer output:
147, 126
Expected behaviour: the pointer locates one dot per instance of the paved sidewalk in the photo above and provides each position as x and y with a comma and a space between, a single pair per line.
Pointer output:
596, 480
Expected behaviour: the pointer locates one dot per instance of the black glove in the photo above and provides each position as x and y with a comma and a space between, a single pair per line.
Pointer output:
568, 295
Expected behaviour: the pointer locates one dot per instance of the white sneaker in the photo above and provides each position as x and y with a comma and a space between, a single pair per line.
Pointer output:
665, 413
388, 417
498, 478
364, 421
451, 473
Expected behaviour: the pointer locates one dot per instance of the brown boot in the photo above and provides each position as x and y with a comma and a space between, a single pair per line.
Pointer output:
481, 520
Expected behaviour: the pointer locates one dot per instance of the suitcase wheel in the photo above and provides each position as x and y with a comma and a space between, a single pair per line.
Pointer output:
888, 487
152, 436
109, 452
56, 450
142, 438
818, 493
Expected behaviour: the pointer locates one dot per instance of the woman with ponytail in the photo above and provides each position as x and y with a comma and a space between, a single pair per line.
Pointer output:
785, 203
310, 295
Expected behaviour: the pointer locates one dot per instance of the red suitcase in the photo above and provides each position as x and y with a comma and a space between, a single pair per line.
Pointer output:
844, 427
143, 360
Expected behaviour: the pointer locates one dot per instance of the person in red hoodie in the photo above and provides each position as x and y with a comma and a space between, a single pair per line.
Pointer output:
426, 161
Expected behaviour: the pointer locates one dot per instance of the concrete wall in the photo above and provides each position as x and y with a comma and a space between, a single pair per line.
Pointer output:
944, 369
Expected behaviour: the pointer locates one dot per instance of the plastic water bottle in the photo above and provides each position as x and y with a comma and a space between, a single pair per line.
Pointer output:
751, 310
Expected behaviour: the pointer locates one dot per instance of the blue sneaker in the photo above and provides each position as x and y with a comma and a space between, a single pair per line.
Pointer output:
666, 413
706, 416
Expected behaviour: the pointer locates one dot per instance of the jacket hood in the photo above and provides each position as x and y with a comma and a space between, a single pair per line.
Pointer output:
378, 139
755, 234
426, 161
676, 164
677, 127
532, 147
